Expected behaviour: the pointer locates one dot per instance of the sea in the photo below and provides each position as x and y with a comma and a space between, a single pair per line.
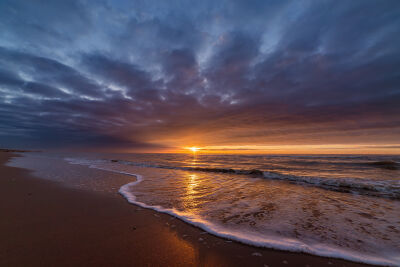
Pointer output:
341, 206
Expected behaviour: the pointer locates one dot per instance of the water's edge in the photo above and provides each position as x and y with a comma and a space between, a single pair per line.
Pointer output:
284, 244
271, 242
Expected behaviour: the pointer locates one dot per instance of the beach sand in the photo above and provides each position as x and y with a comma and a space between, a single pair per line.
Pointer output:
43, 223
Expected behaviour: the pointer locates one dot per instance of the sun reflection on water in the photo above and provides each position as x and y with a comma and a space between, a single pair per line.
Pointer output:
190, 196
193, 161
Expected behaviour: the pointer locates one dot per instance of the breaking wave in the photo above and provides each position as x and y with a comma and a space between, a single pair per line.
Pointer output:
377, 188
244, 235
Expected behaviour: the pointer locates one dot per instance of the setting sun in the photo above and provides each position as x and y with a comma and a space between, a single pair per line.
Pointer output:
194, 149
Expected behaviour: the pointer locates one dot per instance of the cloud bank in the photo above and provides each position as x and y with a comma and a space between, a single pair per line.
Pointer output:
148, 75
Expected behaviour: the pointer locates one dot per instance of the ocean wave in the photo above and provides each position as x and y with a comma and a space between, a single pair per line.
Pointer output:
386, 164
254, 239
242, 236
386, 188
377, 188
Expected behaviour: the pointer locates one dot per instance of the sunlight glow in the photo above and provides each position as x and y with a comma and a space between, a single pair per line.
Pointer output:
194, 149
293, 149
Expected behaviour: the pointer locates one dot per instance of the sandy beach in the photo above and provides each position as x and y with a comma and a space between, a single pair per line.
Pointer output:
46, 224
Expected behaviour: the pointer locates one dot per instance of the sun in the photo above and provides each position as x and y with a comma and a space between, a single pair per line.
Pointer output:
194, 149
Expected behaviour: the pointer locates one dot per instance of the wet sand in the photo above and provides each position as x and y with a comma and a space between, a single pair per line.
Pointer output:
43, 223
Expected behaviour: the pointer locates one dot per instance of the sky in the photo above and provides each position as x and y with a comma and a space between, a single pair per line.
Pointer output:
226, 76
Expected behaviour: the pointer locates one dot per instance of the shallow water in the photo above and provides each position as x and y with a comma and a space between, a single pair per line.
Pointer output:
340, 206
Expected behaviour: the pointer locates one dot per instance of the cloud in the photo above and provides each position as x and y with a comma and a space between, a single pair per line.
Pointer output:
151, 75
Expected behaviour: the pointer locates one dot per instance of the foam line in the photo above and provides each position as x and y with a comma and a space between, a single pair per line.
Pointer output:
281, 243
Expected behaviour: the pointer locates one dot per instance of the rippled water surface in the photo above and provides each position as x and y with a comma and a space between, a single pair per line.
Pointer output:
341, 206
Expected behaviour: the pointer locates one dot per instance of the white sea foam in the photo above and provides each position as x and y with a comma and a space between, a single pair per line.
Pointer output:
243, 236
287, 244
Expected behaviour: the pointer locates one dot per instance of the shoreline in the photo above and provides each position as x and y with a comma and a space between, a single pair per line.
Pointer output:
49, 224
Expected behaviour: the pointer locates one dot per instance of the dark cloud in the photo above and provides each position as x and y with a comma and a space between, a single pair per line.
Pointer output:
49, 71
129, 76
147, 74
